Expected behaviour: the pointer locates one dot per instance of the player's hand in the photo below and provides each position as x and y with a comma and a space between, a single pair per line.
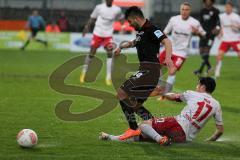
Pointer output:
235, 28
195, 30
85, 30
117, 51
169, 63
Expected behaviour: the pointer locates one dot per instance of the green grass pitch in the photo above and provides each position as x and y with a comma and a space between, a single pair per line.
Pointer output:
27, 101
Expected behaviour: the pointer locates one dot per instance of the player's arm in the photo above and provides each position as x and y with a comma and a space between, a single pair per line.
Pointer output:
219, 131
236, 25
168, 47
92, 20
173, 97
198, 31
124, 45
42, 22
88, 25
168, 29
217, 29
219, 125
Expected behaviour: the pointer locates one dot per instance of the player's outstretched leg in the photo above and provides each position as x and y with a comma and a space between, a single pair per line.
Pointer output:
109, 71
42, 42
88, 60
219, 64
204, 52
109, 49
25, 44
147, 130
109, 137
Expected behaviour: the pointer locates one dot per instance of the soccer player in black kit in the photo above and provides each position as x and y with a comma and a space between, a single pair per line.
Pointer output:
134, 91
209, 19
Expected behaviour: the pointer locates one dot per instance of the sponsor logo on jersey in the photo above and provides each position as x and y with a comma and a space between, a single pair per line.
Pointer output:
158, 33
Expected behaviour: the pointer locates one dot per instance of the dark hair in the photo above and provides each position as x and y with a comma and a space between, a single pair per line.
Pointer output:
229, 3
209, 83
213, 1
134, 11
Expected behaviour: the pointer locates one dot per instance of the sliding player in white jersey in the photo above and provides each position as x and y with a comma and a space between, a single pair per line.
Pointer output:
230, 33
201, 107
103, 16
182, 27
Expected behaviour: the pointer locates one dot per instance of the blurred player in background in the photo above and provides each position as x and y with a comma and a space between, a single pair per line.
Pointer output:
103, 16
201, 107
182, 27
230, 34
35, 23
209, 19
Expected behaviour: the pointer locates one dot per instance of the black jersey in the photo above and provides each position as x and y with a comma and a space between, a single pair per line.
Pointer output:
148, 41
209, 19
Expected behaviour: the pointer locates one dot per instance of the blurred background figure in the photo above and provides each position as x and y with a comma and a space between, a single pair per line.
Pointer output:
230, 35
103, 16
53, 27
35, 23
209, 19
63, 22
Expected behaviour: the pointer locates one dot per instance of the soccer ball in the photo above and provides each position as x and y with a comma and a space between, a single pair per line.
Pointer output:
27, 138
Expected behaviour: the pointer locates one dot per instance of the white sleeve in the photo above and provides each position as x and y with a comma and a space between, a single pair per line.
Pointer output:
238, 20
95, 12
199, 27
169, 27
218, 116
201, 30
185, 96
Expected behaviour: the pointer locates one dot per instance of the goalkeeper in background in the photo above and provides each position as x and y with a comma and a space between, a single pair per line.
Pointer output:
35, 23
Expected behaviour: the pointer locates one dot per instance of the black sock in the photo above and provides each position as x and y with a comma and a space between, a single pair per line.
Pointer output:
41, 41
203, 63
144, 113
26, 44
129, 113
206, 60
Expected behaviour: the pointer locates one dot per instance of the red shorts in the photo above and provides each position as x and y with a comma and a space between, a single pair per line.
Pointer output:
98, 41
224, 46
168, 126
177, 60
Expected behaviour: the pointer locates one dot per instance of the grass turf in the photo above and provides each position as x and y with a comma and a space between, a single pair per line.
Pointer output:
27, 101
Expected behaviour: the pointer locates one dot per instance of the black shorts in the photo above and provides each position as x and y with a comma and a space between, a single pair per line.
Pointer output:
140, 85
206, 42
34, 32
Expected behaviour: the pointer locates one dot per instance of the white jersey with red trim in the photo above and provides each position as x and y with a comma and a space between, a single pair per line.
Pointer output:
105, 18
181, 33
227, 20
200, 108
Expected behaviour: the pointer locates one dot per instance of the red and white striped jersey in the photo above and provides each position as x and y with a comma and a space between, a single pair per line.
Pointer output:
199, 109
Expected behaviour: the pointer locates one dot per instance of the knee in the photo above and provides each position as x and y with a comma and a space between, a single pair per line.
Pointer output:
145, 123
172, 72
220, 56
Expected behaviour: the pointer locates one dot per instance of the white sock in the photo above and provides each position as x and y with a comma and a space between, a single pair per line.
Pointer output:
218, 68
150, 132
87, 62
116, 138
170, 82
109, 68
